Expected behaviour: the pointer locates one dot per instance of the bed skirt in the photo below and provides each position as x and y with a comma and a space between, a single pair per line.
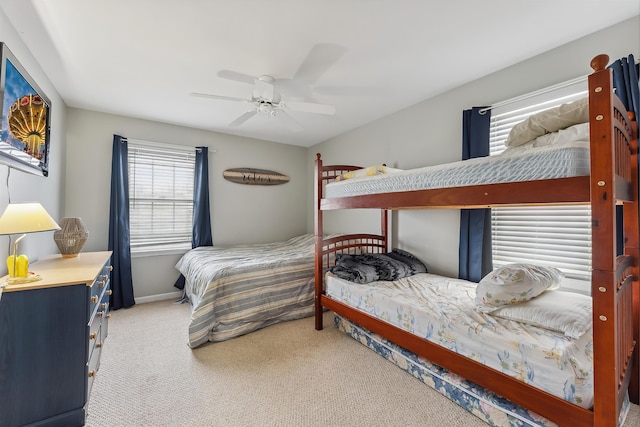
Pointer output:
484, 404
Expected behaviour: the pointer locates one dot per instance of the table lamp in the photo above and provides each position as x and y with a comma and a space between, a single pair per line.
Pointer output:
23, 218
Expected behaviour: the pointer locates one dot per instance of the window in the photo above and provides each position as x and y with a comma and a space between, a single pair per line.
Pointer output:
160, 196
559, 236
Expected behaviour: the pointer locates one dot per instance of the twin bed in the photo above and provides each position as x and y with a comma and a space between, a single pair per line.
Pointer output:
237, 290
558, 358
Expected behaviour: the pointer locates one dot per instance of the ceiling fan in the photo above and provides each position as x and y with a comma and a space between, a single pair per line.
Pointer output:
266, 100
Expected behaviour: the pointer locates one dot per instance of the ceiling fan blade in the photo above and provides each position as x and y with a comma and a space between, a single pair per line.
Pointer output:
309, 107
234, 75
210, 96
243, 118
321, 57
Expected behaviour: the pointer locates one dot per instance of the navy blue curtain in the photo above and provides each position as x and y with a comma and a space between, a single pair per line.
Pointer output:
201, 232
119, 242
474, 253
201, 235
625, 81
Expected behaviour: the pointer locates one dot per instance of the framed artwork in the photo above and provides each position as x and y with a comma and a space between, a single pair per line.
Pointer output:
25, 114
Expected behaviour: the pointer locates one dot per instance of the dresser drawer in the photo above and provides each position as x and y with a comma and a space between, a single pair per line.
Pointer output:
94, 336
102, 319
106, 309
93, 364
98, 308
95, 295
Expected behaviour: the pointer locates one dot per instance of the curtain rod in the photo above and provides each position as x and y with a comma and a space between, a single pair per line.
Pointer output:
160, 144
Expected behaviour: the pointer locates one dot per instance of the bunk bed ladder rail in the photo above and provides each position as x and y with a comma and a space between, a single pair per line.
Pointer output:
614, 179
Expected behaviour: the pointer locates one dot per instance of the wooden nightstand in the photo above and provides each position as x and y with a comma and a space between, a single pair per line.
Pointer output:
51, 336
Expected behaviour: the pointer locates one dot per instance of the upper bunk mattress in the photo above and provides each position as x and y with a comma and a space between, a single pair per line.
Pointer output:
442, 310
522, 164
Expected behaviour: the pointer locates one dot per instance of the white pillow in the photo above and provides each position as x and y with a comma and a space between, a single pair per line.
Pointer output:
579, 132
547, 121
575, 136
566, 312
368, 171
515, 283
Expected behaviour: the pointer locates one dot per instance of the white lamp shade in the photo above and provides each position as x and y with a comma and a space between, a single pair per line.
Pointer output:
21, 218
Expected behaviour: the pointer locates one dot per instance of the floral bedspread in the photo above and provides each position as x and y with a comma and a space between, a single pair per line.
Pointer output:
442, 310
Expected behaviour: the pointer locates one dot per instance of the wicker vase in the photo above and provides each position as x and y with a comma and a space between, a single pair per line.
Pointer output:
71, 237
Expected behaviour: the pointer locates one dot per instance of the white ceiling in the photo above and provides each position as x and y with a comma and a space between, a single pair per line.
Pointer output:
368, 58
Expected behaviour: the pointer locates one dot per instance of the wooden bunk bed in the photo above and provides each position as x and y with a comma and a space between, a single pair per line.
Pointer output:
613, 180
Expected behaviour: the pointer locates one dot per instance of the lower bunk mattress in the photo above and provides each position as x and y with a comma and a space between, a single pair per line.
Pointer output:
442, 310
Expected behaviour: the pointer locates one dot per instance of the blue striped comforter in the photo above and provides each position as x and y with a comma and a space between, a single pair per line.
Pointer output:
237, 290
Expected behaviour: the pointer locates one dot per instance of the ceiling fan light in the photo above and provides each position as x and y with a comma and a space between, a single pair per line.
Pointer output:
265, 108
266, 79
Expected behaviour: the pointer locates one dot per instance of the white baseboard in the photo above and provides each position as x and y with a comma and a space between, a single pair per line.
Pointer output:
161, 297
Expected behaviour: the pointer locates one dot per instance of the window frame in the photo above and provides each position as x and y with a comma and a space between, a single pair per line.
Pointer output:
504, 116
180, 196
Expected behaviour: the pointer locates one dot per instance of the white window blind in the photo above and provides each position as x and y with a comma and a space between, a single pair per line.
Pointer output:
558, 236
160, 196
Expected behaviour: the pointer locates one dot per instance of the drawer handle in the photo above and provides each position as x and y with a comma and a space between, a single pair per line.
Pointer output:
100, 313
99, 345
102, 283
93, 336
109, 292
104, 305
94, 299
92, 374
105, 276
109, 316
110, 268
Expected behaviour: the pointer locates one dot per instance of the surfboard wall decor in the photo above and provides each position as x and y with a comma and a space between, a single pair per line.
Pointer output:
250, 176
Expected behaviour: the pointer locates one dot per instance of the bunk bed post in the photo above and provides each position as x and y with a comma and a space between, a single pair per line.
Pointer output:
384, 228
603, 247
608, 291
318, 241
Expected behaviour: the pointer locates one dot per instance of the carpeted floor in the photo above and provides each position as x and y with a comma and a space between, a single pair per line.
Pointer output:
285, 375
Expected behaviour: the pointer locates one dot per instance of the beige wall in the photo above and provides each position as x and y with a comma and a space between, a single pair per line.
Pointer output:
25, 187
430, 133
240, 213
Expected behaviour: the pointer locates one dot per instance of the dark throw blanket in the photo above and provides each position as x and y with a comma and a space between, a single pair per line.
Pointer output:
368, 268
